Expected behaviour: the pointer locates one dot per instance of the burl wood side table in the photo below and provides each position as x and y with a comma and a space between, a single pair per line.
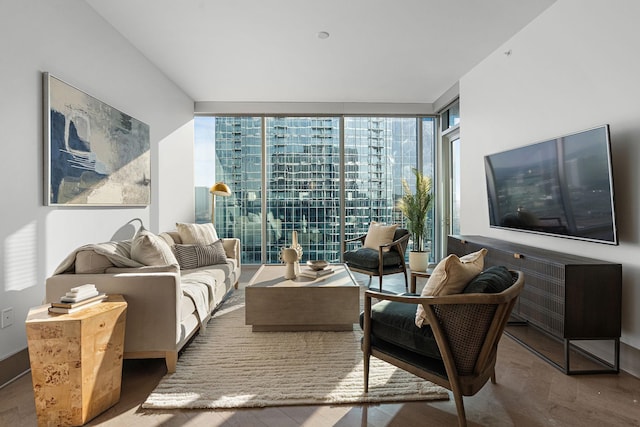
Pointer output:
76, 361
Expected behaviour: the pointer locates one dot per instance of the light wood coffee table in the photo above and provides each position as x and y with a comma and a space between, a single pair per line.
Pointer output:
329, 303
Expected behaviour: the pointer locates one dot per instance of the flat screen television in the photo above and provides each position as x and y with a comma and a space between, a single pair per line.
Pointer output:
561, 187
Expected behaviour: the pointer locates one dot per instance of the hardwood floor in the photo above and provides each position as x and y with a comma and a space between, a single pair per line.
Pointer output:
530, 392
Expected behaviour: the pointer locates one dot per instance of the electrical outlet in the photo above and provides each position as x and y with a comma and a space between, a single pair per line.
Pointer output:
7, 317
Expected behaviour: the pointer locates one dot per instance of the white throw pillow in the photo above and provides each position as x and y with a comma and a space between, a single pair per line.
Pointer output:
201, 234
149, 249
450, 277
378, 235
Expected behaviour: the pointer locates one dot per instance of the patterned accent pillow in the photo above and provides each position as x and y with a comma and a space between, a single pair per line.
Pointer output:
201, 234
194, 256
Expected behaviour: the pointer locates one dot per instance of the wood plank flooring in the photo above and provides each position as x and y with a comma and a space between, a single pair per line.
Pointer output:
530, 392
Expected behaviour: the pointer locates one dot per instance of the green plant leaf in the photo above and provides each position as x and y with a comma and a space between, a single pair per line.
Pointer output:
415, 207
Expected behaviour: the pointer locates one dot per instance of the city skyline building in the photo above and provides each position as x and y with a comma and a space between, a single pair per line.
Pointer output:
303, 172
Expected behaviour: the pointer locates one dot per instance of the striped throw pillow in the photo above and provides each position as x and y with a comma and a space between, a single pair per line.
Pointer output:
194, 256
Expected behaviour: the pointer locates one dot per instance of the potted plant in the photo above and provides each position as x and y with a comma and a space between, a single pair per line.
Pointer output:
414, 207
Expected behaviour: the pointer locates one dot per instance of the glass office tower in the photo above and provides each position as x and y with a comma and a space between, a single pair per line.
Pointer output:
303, 170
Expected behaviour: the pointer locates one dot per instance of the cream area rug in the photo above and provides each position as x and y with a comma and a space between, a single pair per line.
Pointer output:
229, 366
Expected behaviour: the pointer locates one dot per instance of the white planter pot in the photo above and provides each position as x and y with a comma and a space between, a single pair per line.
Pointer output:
419, 261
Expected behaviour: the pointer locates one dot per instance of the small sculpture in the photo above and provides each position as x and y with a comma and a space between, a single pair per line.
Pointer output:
290, 257
298, 249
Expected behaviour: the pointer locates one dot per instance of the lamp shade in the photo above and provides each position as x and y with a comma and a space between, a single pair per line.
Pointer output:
220, 189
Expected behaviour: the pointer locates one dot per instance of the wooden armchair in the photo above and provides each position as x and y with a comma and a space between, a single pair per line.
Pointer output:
456, 350
387, 259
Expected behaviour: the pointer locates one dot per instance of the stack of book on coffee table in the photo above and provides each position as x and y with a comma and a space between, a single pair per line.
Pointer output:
77, 299
314, 274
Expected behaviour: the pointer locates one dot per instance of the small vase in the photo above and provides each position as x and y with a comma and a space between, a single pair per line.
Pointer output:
289, 272
290, 257
296, 268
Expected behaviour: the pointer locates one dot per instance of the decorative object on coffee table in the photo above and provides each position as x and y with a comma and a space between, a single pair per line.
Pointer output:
290, 258
295, 245
317, 265
316, 269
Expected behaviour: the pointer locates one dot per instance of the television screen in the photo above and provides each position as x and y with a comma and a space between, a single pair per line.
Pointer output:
563, 187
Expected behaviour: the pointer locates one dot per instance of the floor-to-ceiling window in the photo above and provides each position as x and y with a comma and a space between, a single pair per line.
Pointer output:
303, 184
455, 185
285, 174
450, 137
428, 162
232, 149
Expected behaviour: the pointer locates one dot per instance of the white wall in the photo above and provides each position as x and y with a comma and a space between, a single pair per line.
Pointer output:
68, 39
575, 67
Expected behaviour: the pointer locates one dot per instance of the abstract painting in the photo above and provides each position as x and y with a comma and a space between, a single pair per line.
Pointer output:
95, 155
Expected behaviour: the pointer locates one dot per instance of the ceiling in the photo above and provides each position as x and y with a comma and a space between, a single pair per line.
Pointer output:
381, 51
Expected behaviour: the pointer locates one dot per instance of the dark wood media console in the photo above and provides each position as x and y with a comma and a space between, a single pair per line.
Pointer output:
565, 298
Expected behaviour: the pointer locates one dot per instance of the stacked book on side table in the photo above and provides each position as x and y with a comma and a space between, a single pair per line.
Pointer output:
77, 299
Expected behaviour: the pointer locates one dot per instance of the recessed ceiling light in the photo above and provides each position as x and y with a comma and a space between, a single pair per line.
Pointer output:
323, 35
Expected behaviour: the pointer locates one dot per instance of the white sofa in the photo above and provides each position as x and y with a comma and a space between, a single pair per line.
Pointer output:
167, 305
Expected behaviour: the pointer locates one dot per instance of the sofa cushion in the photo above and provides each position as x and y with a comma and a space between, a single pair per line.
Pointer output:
211, 279
228, 268
90, 262
187, 308
173, 268
379, 235
194, 256
149, 249
450, 276
393, 322
171, 237
493, 280
231, 247
202, 234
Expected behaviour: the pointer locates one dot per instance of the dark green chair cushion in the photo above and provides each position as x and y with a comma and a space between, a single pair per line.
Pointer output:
368, 258
491, 281
394, 322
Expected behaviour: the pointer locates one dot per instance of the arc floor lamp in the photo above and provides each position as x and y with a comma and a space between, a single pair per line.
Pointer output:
218, 189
